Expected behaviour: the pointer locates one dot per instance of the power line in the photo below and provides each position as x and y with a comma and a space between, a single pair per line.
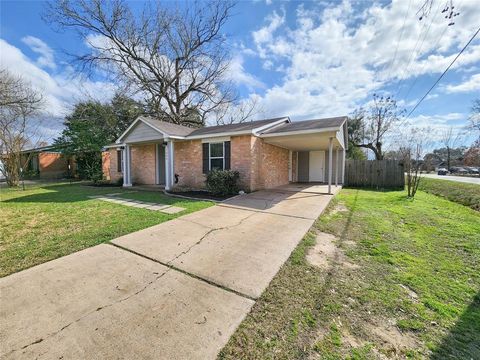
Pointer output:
399, 39
443, 74
424, 25
419, 51
425, 63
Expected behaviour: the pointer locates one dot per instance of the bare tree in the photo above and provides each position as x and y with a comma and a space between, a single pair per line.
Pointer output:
175, 56
374, 123
18, 104
475, 116
450, 139
412, 144
237, 113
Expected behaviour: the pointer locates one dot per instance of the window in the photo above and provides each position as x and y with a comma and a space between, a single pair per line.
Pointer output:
119, 160
216, 156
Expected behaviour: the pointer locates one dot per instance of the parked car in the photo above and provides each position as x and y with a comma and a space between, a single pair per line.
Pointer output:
442, 171
458, 170
473, 171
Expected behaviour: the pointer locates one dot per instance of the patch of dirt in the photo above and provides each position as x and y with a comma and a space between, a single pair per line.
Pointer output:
325, 253
411, 294
339, 208
391, 337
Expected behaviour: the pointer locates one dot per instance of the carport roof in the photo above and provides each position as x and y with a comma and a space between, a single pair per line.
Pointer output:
307, 125
241, 127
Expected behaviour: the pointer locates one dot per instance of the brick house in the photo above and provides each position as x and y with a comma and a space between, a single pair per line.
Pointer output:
47, 163
266, 153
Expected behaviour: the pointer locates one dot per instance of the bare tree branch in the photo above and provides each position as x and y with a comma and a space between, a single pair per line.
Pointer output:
373, 124
174, 56
18, 104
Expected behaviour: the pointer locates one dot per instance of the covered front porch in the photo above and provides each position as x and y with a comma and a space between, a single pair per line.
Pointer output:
148, 163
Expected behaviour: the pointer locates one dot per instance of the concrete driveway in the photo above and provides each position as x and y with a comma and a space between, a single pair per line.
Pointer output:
177, 290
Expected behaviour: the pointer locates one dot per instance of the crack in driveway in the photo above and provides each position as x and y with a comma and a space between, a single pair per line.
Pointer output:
169, 267
88, 314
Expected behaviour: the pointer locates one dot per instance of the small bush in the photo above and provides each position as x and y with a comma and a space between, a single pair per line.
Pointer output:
223, 182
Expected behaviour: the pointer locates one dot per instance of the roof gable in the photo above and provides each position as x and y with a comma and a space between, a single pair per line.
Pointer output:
248, 126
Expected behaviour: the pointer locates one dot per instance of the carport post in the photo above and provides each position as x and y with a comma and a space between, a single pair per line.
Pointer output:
330, 164
336, 168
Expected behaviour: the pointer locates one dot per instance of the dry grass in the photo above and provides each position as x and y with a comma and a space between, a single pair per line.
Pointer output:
412, 291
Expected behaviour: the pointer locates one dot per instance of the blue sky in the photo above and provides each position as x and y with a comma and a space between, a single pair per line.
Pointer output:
302, 59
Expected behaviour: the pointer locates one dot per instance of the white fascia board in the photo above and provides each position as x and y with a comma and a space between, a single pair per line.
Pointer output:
300, 132
270, 125
206, 136
114, 146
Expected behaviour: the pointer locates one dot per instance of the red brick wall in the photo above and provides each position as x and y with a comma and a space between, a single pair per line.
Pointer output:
241, 159
260, 165
52, 165
274, 166
269, 165
188, 164
143, 164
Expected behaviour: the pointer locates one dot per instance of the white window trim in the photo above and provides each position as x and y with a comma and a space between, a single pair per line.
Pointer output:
216, 157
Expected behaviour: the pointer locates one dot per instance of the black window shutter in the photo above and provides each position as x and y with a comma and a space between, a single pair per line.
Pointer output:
119, 160
205, 157
227, 155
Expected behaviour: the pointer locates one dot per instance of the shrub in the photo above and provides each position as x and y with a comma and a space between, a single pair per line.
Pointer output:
223, 182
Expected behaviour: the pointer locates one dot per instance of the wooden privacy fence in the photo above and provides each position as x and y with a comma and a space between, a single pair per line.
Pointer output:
379, 174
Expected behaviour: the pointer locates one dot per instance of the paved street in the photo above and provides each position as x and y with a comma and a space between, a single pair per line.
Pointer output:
464, 179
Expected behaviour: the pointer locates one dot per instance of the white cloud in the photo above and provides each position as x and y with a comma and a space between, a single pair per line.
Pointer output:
472, 84
239, 76
266, 33
60, 91
336, 55
46, 58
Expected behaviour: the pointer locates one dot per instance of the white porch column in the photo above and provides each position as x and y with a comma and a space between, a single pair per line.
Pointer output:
343, 166
330, 164
169, 170
336, 167
127, 178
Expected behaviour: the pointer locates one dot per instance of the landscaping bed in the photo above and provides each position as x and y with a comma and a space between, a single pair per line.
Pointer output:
204, 195
398, 278
48, 221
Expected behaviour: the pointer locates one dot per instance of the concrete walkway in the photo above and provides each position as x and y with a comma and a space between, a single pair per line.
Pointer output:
167, 209
177, 290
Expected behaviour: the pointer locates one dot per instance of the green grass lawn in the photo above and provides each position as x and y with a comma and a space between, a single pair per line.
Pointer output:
407, 287
45, 222
462, 193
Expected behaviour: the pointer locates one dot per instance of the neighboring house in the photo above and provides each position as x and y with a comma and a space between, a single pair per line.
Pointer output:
266, 153
47, 163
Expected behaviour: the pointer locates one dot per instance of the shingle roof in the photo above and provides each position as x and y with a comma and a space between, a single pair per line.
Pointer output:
307, 125
245, 126
168, 128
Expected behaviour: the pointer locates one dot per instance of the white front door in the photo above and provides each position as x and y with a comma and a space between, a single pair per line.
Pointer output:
316, 168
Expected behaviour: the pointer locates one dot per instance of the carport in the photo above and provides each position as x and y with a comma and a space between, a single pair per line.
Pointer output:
317, 149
